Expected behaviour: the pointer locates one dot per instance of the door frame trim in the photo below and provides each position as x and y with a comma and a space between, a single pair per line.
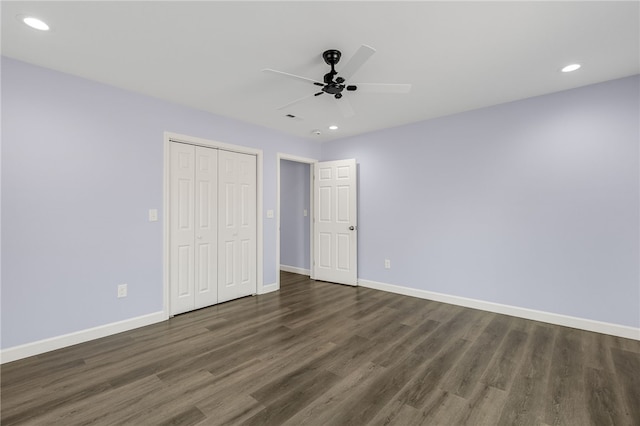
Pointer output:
311, 162
192, 140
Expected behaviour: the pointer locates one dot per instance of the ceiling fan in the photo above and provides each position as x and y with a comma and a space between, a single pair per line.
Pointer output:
334, 84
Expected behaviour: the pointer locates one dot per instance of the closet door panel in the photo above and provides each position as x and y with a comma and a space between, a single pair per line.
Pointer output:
237, 225
182, 228
206, 226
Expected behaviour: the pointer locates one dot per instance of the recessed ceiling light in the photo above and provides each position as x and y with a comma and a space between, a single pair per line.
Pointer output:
571, 67
333, 127
36, 23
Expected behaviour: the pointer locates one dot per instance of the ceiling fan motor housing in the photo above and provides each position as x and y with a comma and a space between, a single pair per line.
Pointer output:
331, 56
333, 89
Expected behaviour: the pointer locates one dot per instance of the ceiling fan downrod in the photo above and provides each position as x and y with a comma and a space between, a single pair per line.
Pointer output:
335, 88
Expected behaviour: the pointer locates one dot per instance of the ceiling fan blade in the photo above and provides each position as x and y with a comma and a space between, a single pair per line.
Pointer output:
297, 77
345, 107
357, 60
296, 101
383, 88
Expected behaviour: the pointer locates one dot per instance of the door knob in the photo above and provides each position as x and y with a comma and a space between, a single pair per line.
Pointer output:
351, 228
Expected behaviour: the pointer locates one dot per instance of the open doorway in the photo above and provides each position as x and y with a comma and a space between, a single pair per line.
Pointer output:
295, 217
295, 211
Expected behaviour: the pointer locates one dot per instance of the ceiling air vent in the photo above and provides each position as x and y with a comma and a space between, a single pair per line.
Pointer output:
293, 117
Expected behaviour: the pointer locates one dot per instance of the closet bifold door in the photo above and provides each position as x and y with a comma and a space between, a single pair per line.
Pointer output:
193, 227
206, 222
236, 225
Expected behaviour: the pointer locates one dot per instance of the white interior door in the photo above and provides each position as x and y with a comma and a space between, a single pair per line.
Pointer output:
206, 227
236, 225
335, 216
182, 229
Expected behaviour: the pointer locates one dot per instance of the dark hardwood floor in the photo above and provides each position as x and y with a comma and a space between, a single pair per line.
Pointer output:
324, 354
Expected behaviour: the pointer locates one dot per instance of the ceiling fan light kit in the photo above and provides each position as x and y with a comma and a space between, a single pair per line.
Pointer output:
334, 84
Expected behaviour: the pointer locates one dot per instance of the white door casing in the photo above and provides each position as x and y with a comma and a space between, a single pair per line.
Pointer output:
335, 219
236, 225
310, 162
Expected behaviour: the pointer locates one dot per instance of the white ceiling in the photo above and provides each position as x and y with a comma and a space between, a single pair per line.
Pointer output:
209, 55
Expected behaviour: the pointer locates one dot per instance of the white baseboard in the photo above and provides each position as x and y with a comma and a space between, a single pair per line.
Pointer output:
268, 288
548, 317
295, 270
35, 348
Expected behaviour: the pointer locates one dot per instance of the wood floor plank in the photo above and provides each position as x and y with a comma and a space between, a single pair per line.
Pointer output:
407, 343
363, 405
230, 410
440, 409
322, 410
564, 404
605, 408
38, 408
500, 371
455, 328
463, 379
188, 417
317, 353
428, 310
397, 414
289, 403
525, 401
248, 378
428, 376
487, 403
113, 406
627, 367
351, 355
292, 380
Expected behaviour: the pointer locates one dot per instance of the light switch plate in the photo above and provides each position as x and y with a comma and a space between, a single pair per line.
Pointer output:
122, 290
153, 215
270, 214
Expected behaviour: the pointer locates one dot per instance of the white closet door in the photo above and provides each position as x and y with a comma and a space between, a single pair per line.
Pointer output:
236, 225
206, 227
182, 228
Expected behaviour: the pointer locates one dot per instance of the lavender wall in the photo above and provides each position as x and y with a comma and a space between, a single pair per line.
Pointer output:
294, 226
81, 165
533, 204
